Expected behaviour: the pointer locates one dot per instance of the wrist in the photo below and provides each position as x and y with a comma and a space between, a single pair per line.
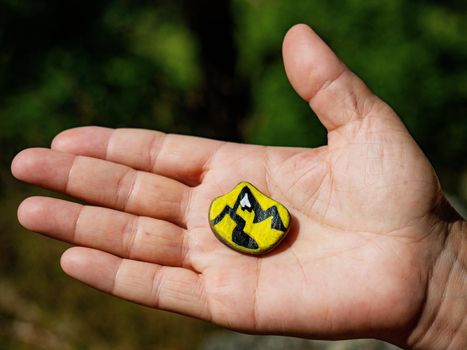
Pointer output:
442, 323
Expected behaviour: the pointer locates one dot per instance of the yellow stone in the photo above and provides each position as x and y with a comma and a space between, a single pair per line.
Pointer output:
248, 221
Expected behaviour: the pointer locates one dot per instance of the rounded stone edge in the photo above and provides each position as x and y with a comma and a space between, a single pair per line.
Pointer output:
244, 250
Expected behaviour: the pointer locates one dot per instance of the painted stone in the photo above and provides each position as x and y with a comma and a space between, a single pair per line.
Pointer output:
248, 221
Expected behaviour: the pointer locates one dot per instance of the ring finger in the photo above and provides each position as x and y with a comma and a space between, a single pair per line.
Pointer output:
105, 183
119, 233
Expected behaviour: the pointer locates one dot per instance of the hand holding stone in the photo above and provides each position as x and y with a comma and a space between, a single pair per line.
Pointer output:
369, 225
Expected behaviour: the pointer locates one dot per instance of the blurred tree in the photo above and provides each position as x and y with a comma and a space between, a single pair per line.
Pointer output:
225, 96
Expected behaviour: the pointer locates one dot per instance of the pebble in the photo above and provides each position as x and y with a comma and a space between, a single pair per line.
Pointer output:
248, 221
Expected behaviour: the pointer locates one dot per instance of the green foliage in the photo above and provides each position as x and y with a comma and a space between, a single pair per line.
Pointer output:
412, 54
125, 66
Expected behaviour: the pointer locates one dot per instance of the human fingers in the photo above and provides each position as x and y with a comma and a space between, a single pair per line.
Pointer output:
104, 183
119, 233
180, 157
334, 92
169, 288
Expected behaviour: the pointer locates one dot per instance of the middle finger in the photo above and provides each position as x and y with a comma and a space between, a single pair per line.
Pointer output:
105, 183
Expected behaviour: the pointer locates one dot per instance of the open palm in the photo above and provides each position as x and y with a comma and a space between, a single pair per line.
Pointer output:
353, 265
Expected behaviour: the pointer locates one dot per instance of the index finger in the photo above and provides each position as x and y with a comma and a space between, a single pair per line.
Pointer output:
184, 158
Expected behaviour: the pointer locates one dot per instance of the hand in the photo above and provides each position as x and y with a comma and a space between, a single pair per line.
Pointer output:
366, 229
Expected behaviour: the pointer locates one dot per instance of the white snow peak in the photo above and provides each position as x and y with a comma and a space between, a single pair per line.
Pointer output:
245, 202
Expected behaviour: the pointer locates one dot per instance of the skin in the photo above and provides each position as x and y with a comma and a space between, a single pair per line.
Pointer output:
366, 254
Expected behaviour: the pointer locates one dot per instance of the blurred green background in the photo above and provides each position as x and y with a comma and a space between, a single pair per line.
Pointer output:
207, 68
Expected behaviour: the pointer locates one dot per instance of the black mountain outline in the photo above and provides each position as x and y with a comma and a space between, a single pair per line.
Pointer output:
239, 236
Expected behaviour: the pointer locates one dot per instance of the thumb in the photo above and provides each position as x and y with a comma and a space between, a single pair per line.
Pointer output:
335, 94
